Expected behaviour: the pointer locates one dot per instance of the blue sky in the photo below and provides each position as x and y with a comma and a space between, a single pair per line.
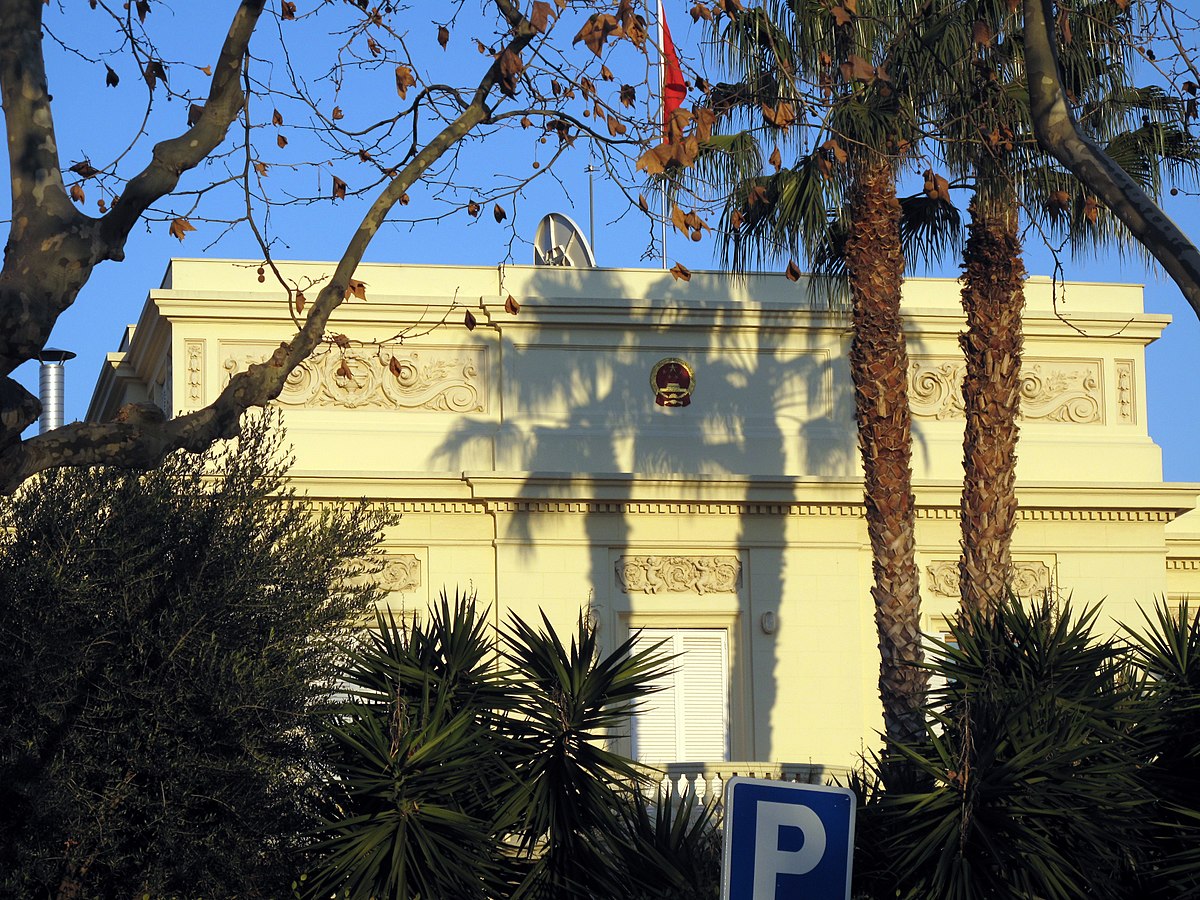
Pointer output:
93, 120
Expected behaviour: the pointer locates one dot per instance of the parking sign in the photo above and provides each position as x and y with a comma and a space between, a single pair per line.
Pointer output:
787, 841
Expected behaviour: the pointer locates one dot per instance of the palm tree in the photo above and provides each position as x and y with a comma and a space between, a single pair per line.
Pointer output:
774, 52
989, 140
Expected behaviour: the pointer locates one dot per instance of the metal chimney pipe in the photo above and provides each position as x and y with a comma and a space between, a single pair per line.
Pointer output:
50, 388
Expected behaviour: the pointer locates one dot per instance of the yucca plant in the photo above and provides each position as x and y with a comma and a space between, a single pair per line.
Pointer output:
1166, 655
1035, 779
475, 767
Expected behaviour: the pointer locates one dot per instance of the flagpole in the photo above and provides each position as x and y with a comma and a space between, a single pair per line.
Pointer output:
662, 109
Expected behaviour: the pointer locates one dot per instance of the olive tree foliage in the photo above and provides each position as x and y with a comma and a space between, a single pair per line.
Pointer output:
304, 103
1165, 25
170, 639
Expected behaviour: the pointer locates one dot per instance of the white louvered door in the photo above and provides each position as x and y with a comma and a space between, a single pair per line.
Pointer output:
688, 720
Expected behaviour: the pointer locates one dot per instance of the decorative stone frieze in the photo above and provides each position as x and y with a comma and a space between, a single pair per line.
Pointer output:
194, 357
400, 573
1050, 392
1030, 578
679, 574
1125, 391
432, 380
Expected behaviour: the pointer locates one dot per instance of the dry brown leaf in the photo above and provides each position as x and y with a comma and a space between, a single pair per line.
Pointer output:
616, 127
596, 30
261, 168
280, 141
606, 73
793, 271
680, 272
642, 204
654, 161
498, 213
469, 321
355, 289
276, 118
154, 72
472, 208
287, 10
404, 80
700, 11
775, 159
341, 340
835, 149
855, 68
678, 219
511, 306
180, 227
981, 33
111, 78
539, 16
373, 46
85, 169
395, 368
511, 68
936, 187
337, 113
300, 299
781, 116
627, 95
77, 193
1091, 209
841, 15
705, 120
443, 37
339, 188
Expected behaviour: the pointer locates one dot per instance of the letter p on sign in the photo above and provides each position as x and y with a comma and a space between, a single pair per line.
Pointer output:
787, 841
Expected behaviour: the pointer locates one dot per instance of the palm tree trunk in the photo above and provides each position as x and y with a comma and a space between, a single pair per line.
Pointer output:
879, 369
993, 297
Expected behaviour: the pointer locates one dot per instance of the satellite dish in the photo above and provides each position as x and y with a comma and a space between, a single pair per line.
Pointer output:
560, 242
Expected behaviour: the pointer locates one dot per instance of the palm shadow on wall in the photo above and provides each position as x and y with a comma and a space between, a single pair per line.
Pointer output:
771, 402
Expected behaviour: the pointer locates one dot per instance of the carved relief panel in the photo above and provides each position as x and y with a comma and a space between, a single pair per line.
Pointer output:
193, 352
1030, 578
438, 380
679, 574
1051, 391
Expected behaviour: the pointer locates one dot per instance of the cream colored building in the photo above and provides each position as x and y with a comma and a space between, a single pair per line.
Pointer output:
531, 463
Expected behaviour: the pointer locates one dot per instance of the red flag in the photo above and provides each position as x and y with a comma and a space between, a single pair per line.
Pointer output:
674, 88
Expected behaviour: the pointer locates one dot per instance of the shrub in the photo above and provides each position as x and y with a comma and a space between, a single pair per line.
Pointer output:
167, 637
1034, 775
471, 767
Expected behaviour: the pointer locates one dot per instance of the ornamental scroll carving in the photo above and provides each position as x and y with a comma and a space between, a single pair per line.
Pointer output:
679, 574
383, 380
1049, 393
194, 351
400, 573
1029, 579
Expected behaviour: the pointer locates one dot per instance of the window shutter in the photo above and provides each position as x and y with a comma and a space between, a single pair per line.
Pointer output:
703, 684
688, 719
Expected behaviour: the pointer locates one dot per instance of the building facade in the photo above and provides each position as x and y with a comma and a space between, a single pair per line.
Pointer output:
680, 458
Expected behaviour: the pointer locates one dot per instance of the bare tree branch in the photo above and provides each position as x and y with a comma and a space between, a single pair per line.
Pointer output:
1058, 133
145, 438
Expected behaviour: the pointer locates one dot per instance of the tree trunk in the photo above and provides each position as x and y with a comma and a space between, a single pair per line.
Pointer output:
879, 369
993, 297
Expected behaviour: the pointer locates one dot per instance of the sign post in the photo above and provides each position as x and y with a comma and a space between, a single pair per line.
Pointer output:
787, 841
